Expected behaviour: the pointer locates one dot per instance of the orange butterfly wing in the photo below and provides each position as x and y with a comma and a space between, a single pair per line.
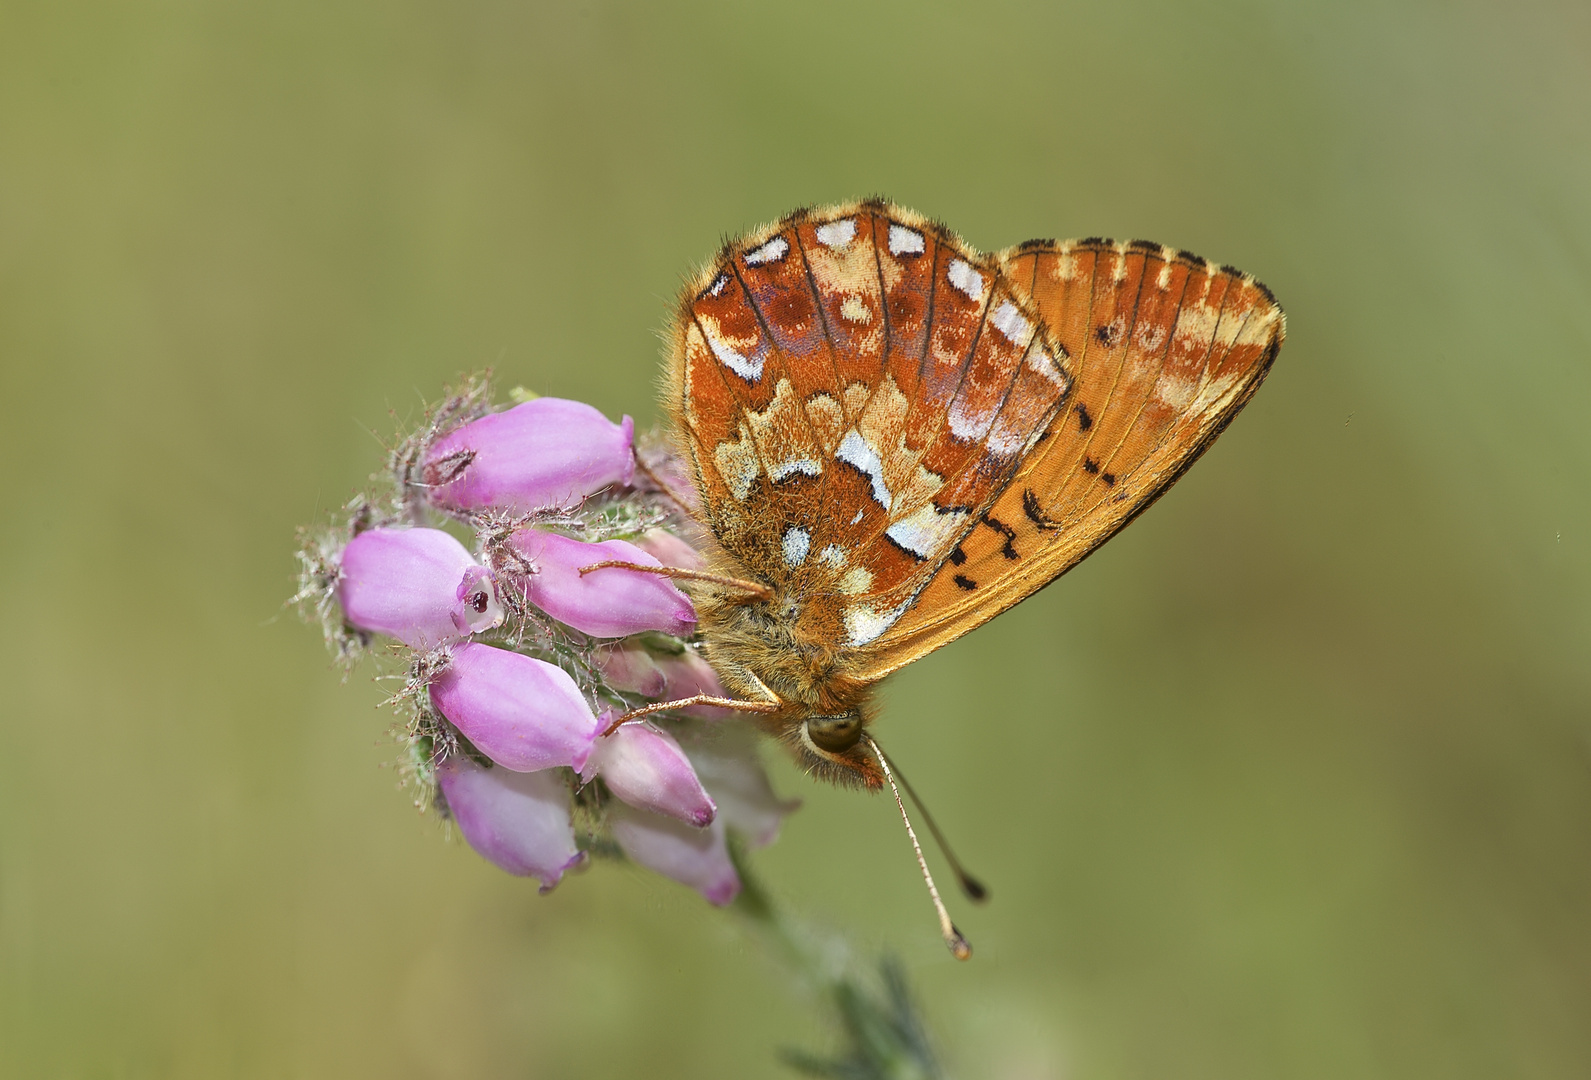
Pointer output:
856, 386
1166, 348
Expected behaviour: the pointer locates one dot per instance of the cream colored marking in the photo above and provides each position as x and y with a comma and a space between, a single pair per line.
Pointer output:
772, 251
860, 514
784, 441
737, 464
1196, 326
904, 241
883, 425
1163, 279
1066, 265
926, 530
836, 234
1119, 274
856, 581
856, 396
795, 545
1018, 330
1177, 389
718, 284
833, 555
1151, 337
1259, 330
965, 279
827, 419
853, 310
856, 451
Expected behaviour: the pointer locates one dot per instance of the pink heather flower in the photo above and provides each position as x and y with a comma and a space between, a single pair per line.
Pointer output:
670, 550
695, 857
647, 769
523, 713
631, 669
520, 821
604, 603
417, 585
687, 675
545, 453
727, 767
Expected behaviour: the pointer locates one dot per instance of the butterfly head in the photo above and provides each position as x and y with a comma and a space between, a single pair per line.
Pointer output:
831, 745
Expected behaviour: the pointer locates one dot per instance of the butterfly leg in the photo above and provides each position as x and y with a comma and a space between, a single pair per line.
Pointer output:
752, 588
698, 699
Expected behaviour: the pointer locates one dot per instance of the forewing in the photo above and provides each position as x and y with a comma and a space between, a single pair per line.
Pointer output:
1165, 349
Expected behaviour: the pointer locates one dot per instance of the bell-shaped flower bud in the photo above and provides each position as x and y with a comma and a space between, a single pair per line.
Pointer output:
695, 857
611, 602
727, 764
523, 713
545, 453
631, 669
687, 675
520, 821
647, 769
417, 585
669, 549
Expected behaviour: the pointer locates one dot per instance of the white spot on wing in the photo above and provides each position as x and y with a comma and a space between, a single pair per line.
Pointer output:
904, 241
718, 284
854, 450
747, 367
772, 251
836, 233
833, 555
924, 531
1013, 324
805, 466
864, 623
856, 581
965, 278
860, 514
795, 545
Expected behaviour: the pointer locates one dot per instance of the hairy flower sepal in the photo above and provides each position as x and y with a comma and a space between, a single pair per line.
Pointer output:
646, 768
610, 602
518, 821
544, 454
523, 713
419, 586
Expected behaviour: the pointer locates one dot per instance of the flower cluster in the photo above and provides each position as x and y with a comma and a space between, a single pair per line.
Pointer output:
518, 662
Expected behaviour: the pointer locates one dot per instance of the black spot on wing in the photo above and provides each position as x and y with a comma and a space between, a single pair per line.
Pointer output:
1084, 421
965, 582
1090, 466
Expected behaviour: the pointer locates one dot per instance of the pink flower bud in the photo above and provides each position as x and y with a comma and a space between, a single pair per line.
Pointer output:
687, 675
525, 714
647, 769
545, 453
520, 821
695, 857
610, 602
631, 669
669, 549
729, 769
417, 585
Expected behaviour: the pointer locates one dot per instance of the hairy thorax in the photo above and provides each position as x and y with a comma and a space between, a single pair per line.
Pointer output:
786, 648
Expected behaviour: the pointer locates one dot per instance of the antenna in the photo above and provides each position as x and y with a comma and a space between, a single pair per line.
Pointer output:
959, 946
975, 889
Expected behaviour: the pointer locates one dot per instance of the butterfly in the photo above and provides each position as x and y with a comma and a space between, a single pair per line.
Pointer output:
894, 438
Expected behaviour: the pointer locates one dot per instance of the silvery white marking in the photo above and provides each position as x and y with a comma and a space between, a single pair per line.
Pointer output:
795, 544
859, 515
904, 241
836, 233
925, 530
1011, 322
854, 450
965, 278
718, 284
805, 466
747, 367
772, 251
833, 555
865, 624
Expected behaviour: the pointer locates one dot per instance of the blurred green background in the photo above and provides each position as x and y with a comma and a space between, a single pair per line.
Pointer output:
1290, 780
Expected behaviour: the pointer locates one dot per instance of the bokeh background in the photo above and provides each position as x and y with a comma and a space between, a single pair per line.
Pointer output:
1290, 780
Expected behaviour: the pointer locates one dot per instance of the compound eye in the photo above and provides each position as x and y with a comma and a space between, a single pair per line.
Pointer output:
836, 734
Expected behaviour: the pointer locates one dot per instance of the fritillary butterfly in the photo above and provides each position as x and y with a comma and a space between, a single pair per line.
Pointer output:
894, 438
